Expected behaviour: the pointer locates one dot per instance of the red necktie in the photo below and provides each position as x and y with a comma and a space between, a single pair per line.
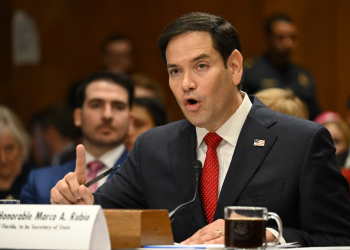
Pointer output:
209, 180
94, 167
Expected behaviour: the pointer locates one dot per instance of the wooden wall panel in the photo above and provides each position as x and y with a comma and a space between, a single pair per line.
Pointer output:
340, 87
5, 53
71, 33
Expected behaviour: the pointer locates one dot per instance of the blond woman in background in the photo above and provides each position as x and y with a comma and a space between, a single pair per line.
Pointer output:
284, 101
14, 151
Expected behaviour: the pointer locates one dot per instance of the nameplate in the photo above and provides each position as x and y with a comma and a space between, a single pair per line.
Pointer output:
53, 227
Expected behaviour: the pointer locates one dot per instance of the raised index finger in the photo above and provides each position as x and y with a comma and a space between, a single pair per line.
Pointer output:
80, 164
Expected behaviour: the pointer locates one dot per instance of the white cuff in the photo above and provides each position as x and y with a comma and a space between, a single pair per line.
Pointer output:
275, 233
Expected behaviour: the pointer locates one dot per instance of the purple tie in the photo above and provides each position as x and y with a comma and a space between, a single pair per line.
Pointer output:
94, 167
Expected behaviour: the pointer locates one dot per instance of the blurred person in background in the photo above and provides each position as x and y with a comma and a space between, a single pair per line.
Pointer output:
340, 133
145, 86
118, 56
103, 115
54, 136
14, 152
118, 53
146, 113
284, 101
275, 68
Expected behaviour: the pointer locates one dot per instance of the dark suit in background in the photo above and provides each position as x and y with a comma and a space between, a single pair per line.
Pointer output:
261, 73
295, 175
15, 189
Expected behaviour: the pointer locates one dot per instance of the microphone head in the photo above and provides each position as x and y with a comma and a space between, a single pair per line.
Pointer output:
197, 168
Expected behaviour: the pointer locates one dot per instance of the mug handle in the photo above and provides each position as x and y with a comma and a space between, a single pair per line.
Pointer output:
280, 228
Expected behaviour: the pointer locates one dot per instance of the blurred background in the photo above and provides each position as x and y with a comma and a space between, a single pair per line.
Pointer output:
70, 34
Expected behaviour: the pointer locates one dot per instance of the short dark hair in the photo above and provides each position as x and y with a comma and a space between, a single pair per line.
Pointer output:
224, 35
155, 108
118, 78
59, 116
275, 18
115, 37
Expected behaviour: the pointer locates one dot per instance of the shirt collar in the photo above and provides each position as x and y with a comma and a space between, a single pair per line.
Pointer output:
109, 158
231, 129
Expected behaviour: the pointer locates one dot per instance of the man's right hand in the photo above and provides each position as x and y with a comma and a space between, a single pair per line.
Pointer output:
71, 189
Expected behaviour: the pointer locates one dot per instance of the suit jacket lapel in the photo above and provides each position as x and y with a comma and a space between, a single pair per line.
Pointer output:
247, 158
120, 161
182, 150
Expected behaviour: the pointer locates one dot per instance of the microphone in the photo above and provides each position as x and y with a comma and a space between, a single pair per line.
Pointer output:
197, 172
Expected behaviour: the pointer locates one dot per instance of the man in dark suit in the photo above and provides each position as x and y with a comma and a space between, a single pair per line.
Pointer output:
103, 116
260, 157
276, 69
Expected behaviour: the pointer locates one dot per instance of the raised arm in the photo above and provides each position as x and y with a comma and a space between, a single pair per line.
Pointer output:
71, 189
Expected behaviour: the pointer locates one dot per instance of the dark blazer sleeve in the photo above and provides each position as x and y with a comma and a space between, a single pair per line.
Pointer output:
124, 189
38, 186
295, 175
40, 182
158, 175
324, 207
27, 195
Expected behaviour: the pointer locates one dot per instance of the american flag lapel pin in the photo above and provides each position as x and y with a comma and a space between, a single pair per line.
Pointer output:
259, 143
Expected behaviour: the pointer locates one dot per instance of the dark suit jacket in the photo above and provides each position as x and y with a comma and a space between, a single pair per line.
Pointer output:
15, 189
42, 180
294, 175
66, 156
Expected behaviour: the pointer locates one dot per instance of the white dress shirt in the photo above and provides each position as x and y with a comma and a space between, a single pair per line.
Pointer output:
229, 132
108, 159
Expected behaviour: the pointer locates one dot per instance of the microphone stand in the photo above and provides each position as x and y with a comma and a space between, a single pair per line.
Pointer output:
197, 171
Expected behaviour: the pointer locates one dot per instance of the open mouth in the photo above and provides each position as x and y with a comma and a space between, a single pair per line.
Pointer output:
192, 104
191, 101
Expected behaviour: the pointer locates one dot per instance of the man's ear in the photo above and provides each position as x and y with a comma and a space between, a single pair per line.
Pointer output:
77, 117
235, 65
